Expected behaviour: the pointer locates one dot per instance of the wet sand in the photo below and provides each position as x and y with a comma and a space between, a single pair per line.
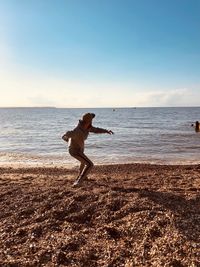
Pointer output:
125, 215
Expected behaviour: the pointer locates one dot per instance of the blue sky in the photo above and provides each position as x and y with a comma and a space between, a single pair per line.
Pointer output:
91, 53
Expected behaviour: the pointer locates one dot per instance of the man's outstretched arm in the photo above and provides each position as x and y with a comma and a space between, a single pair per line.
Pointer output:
100, 130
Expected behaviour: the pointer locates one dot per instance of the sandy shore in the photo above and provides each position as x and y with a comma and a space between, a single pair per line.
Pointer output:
126, 215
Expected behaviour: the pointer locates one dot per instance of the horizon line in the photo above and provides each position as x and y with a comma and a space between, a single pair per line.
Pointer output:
111, 107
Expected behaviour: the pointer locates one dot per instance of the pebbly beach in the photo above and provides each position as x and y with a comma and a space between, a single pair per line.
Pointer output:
124, 215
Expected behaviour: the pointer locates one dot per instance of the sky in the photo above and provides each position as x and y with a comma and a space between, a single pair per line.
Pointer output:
99, 53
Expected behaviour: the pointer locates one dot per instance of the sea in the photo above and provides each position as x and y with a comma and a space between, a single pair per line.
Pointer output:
32, 136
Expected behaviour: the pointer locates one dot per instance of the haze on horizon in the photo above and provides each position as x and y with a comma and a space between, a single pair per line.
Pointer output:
99, 53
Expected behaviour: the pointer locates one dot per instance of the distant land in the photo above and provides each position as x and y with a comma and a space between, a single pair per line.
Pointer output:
114, 108
27, 107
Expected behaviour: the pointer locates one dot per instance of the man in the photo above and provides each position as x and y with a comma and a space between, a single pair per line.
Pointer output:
77, 139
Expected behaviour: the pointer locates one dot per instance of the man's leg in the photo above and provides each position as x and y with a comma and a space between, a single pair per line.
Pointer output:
88, 166
81, 167
85, 167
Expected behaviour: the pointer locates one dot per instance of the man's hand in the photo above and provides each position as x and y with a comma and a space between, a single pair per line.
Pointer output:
65, 138
110, 132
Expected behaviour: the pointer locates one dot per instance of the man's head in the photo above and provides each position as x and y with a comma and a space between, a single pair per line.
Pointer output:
87, 118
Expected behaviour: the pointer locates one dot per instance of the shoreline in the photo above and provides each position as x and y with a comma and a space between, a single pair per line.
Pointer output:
110, 167
76, 165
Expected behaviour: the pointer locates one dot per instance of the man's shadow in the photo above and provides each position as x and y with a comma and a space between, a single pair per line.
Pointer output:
186, 212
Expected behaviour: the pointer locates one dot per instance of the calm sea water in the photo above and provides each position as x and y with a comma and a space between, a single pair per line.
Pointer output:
155, 135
